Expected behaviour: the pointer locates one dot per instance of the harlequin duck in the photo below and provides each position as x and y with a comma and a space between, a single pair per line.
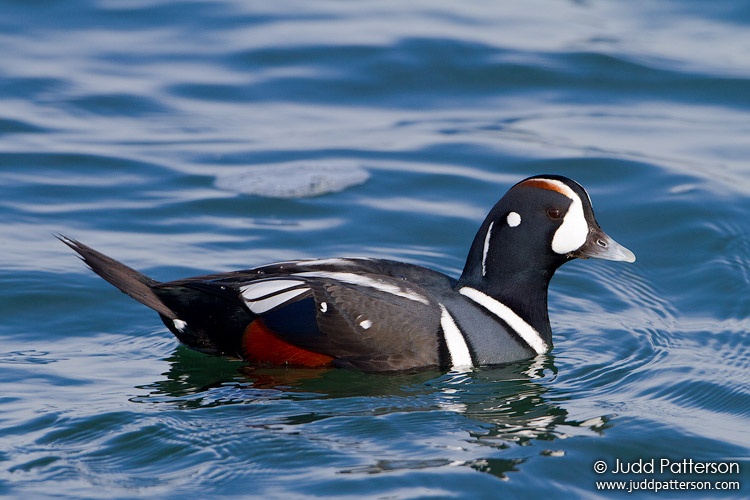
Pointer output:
381, 315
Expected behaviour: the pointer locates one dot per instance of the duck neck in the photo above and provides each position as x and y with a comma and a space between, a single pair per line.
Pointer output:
511, 260
524, 291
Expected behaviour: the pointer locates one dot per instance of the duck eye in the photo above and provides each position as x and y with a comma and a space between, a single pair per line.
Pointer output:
554, 213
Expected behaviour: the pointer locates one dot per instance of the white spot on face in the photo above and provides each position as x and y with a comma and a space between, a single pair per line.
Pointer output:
513, 219
323, 307
572, 233
486, 248
365, 324
179, 324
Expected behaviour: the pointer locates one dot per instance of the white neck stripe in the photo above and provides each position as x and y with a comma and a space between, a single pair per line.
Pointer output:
454, 339
505, 313
486, 248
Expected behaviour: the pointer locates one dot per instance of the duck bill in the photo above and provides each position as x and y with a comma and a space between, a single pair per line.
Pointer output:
600, 246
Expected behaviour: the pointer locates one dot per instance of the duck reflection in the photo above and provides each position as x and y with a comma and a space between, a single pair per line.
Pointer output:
506, 406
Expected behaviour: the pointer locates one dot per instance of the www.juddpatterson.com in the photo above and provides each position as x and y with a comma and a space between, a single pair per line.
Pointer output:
667, 467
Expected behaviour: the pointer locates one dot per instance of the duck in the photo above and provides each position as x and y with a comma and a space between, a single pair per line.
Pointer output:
380, 315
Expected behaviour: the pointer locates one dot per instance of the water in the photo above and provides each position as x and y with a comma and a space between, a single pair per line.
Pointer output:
121, 121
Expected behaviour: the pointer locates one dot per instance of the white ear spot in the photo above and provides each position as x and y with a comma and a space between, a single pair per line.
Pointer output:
513, 219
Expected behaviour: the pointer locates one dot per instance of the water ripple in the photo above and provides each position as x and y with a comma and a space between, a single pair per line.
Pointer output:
117, 120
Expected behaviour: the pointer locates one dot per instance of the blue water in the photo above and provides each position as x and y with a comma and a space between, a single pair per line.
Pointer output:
120, 123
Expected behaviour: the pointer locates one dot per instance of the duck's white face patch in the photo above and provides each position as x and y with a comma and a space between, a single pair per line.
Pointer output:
513, 219
572, 233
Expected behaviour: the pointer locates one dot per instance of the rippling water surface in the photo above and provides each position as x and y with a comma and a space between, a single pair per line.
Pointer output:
141, 129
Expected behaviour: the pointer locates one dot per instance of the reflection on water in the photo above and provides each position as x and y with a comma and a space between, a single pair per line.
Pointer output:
503, 406
117, 121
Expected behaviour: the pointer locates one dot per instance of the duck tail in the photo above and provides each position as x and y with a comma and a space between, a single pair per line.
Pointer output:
128, 280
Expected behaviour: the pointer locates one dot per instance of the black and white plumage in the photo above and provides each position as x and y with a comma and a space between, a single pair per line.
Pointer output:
383, 315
